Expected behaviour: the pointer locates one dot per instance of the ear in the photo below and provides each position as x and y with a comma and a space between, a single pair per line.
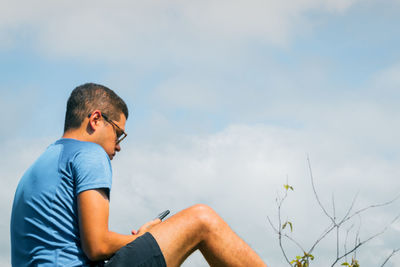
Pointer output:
94, 120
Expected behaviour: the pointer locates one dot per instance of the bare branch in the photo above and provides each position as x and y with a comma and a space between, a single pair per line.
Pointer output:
333, 207
294, 241
337, 241
272, 225
278, 230
345, 240
315, 192
322, 236
357, 239
347, 253
335, 224
350, 208
360, 243
387, 259
371, 207
283, 251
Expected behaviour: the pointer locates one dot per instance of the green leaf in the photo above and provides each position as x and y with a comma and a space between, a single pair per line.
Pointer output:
291, 226
286, 186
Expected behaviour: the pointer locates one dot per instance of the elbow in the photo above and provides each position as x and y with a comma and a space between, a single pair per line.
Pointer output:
95, 252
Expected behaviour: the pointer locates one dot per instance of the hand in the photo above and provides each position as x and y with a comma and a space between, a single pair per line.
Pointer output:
146, 227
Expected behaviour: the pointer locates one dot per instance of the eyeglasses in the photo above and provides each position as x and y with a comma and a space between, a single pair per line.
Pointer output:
120, 133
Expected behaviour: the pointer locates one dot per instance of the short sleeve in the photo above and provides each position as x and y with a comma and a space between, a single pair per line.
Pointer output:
92, 169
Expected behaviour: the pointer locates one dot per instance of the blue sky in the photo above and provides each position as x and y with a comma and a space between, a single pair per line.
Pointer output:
226, 99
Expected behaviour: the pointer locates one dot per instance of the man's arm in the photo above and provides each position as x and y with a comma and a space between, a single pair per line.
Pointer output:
97, 241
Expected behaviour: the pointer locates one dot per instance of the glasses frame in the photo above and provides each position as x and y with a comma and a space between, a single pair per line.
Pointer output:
122, 136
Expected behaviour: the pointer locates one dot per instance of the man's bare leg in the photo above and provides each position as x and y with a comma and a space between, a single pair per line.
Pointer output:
199, 227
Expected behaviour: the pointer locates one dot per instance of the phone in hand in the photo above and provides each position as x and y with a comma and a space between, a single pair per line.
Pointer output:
162, 215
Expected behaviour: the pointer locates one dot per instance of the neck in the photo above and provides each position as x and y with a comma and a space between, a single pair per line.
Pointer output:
77, 134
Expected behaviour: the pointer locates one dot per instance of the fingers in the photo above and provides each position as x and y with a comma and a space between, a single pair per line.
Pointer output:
147, 226
151, 224
155, 221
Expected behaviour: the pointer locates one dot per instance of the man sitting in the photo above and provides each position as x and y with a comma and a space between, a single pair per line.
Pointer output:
61, 206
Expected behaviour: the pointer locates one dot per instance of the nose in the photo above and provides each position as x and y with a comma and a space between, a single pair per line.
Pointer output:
117, 147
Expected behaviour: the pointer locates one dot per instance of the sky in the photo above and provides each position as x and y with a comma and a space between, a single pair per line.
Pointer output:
227, 101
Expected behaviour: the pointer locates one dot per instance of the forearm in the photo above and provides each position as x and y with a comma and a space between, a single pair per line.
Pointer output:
106, 245
98, 242
110, 242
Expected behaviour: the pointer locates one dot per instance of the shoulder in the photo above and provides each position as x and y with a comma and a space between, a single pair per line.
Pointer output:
78, 155
73, 148
88, 163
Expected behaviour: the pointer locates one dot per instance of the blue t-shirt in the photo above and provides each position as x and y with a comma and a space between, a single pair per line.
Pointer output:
44, 219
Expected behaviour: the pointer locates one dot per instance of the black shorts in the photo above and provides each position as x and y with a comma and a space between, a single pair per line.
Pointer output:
142, 252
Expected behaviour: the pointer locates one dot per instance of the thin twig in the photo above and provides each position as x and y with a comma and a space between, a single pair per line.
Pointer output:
315, 191
287, 236
322, 236
345, 240
333, 207
387, 259
357, 239
334, 225
272, 225
372, 206
337, 241
280, 227
294, 241
350, 208
360, 243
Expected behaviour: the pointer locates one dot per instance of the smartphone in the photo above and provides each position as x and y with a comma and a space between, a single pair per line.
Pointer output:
162, 215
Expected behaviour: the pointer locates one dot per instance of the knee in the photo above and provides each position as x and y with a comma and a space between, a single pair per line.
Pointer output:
202, 209
206, 216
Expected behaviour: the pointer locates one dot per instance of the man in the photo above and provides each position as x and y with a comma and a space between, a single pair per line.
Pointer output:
61, 206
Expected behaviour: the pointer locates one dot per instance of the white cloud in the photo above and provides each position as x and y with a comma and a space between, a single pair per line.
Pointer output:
127, 30
192, 94
352, 142
387, 80
18, 155
351, 137
238, 172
